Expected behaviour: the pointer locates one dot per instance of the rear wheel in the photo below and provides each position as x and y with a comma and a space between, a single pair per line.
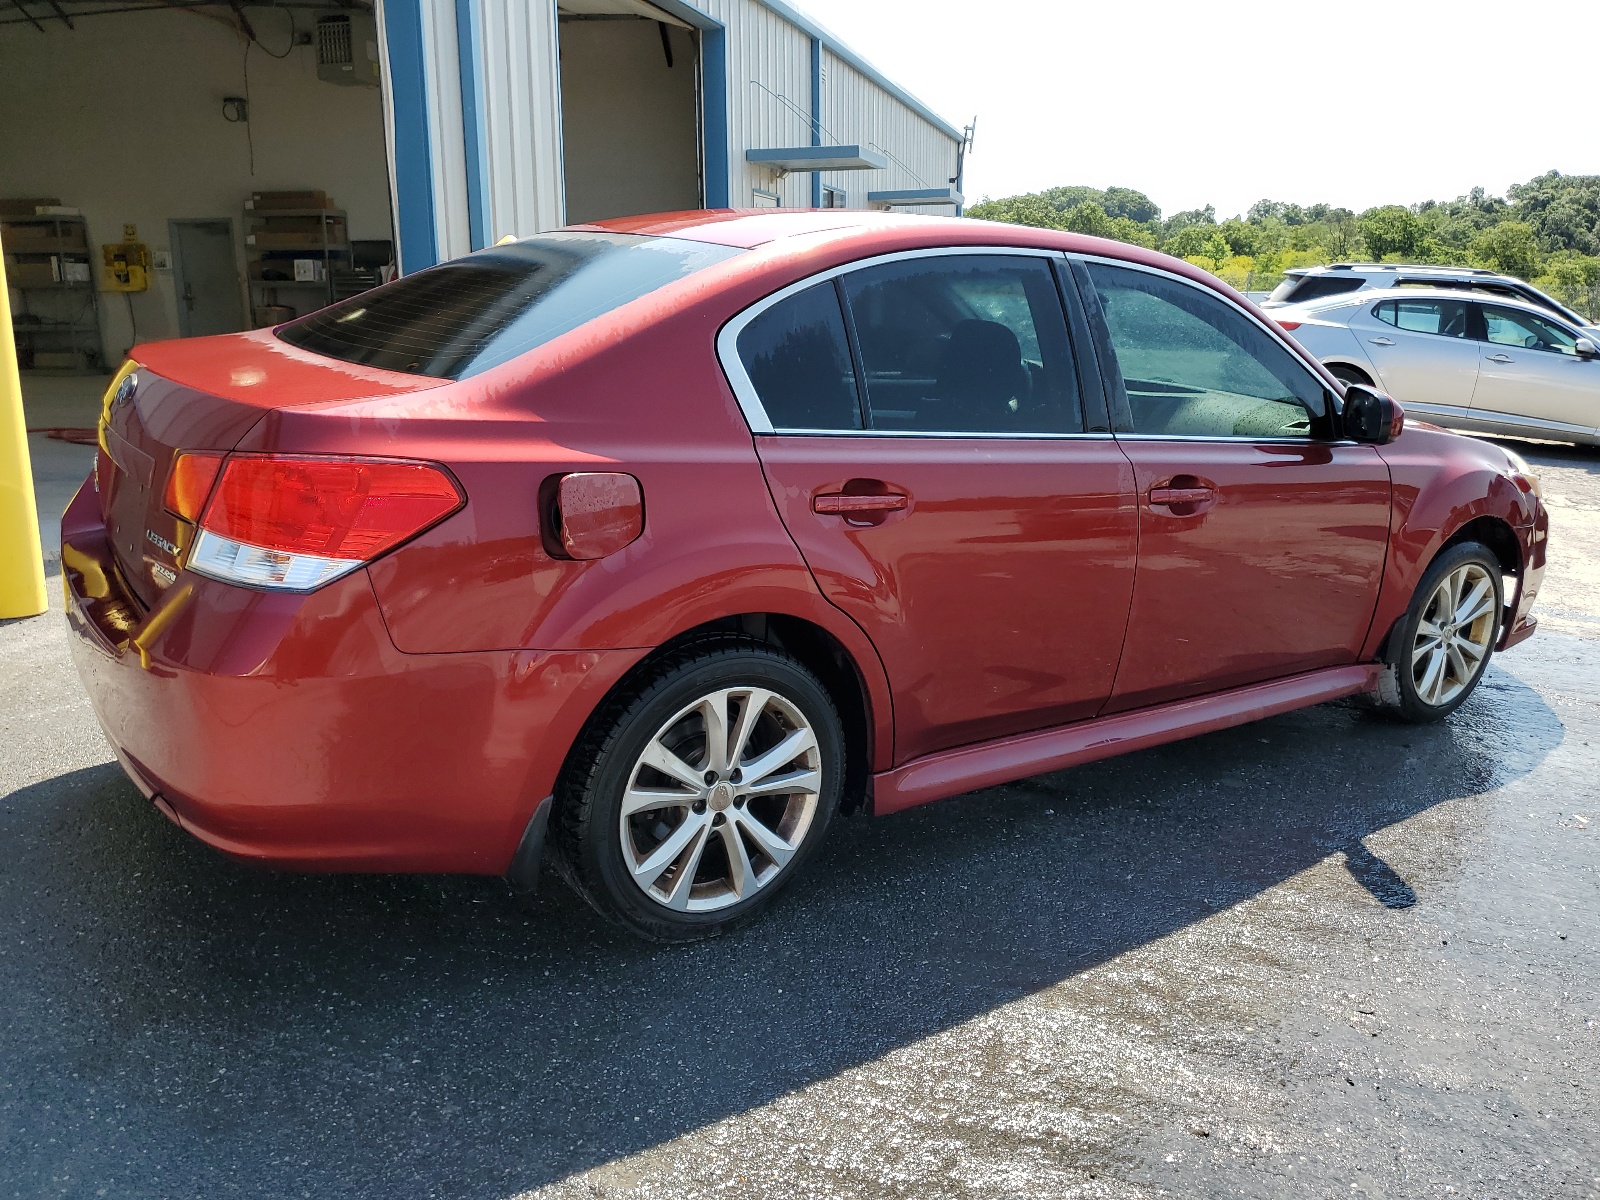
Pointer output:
1442, 646
700, 793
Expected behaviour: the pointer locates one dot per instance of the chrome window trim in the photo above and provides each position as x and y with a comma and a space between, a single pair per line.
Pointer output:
1277, 334
917, 433
744, 391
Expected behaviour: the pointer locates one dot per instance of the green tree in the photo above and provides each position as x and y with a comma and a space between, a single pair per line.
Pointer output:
1089, 218
1510, 247
1188, 242
1029, 209
1390, 229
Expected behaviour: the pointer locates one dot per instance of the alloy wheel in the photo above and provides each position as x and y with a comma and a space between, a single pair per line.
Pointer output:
720, 800
1454, 634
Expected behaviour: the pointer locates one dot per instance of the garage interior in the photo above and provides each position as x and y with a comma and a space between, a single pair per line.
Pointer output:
630, 110
207, 169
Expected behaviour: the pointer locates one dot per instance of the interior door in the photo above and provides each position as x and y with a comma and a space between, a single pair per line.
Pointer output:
1261, 540
205, 275
1532, 375
1422, 352
943, 491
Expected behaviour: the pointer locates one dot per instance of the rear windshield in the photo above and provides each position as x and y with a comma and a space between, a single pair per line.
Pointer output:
465, 316
1297, 289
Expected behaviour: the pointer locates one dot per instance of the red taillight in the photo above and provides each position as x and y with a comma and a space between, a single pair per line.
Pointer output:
189, 483
1289, 325
350, 509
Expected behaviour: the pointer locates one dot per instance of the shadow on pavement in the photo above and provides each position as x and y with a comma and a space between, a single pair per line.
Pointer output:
178, 1025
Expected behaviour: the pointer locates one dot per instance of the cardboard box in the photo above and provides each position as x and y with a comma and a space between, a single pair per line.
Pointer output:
270, 200
24, 207
56, 360
32, 274
39, 237
56, 210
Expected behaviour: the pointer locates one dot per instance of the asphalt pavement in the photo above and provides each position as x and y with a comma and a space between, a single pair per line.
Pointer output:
1319, 955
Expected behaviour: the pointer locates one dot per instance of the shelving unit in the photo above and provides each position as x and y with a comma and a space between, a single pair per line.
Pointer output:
281, 243
55, 315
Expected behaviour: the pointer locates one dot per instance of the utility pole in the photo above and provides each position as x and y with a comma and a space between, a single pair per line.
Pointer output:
22, 591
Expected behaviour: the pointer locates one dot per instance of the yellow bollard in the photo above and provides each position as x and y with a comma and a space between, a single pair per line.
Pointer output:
22, 591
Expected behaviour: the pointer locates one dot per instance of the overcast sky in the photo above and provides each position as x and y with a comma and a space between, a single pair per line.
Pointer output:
1229, 101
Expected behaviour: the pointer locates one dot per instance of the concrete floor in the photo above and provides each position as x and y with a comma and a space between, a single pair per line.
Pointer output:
1321, 955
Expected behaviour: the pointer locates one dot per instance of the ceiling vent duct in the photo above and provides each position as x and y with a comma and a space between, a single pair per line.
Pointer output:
347, 50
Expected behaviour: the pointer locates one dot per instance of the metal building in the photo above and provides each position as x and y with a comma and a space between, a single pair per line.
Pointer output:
511, 116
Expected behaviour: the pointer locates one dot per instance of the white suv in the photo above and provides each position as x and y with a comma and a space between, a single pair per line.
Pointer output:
1305, 284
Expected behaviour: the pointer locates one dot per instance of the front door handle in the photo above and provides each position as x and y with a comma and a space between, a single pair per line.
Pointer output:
1183, 495
1501, 358
848, 505
1382, 341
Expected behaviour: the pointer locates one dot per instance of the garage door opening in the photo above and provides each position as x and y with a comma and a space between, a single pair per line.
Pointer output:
630, 107
170, 170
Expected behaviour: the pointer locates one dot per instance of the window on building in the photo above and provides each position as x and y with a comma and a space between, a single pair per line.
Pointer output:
761, 198
1194, 366
833, 197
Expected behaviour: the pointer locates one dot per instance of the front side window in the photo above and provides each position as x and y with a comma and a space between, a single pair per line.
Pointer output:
1509, 327
1446, 318
964, 343
798, 359
1193, 366
462, 317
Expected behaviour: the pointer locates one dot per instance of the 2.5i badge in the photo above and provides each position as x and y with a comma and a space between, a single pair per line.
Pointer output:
165, 576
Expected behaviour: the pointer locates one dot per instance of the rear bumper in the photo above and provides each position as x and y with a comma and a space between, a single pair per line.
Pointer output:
289, 730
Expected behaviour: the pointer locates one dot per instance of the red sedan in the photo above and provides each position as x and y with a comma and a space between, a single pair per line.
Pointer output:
665, 540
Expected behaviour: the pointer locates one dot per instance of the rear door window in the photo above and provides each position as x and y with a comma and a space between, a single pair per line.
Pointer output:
1445, 318
964, 343
462, 317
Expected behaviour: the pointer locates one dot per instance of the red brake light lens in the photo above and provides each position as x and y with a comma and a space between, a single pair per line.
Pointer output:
333, 508
1290, 325
189, 483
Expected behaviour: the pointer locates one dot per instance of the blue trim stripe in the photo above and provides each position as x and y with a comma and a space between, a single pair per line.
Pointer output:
469, 49
816, 116
413, 150
714, 114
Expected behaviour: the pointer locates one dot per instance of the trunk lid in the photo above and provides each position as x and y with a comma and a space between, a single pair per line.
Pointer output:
200, 394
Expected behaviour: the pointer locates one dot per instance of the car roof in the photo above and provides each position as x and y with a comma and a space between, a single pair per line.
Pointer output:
1324, 303
1398, 268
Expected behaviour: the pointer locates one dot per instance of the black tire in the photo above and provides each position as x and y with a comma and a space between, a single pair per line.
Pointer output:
588, 830
1404, 699
1346, 374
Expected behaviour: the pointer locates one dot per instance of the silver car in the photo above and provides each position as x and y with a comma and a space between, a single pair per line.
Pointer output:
1488, 366
1302, 285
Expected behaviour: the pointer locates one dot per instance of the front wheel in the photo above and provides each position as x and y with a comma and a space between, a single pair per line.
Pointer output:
1441, 647
700, 793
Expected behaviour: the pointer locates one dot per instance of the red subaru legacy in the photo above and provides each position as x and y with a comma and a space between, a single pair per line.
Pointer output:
664, 540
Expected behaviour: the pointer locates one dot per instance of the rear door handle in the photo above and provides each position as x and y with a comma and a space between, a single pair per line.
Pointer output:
1382, 341
845, 504
1501, 358
1181, 495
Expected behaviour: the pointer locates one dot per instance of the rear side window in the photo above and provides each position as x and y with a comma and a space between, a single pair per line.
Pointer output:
455, 320
798, 359
964, 344
1297, 289
1447, 318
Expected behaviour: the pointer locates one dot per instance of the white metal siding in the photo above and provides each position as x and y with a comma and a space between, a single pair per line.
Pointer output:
855, 109
522, 116
769, 105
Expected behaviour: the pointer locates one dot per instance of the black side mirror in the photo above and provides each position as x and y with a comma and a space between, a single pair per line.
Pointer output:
1370, 416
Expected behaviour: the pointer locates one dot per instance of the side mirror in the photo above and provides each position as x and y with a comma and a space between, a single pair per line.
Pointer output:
1370, 416
1585, 348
